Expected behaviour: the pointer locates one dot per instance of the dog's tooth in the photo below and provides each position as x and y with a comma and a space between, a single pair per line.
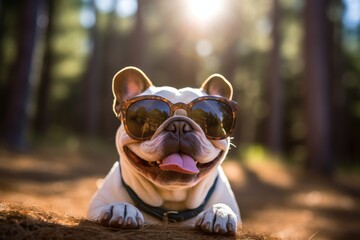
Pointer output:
158, 162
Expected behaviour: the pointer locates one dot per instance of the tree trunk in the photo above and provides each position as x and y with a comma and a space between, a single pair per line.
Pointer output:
16, 117
338, 90
41, 116
274, 86
137, 43
317, 88
89, 108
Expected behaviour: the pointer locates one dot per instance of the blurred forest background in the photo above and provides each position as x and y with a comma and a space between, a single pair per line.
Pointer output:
294, 66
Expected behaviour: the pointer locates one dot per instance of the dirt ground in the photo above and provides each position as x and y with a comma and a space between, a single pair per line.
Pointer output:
275, 201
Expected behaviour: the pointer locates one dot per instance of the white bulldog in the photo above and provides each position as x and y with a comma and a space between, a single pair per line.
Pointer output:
171, 143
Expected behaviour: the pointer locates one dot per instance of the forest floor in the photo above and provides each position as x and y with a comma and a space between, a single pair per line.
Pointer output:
51, 187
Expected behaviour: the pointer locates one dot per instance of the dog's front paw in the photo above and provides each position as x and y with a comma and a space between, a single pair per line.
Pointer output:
218, 219
121, 215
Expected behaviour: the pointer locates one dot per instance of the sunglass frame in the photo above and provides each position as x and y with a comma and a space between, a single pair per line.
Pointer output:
125, 104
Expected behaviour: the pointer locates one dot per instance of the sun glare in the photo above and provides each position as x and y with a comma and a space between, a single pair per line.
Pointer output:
203, 11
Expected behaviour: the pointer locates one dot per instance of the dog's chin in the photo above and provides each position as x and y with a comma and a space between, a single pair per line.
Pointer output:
153, 172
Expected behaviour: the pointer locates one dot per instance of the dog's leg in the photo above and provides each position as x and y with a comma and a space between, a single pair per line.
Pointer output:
218, 219
121, 215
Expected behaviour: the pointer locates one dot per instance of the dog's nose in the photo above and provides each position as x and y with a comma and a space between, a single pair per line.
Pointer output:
179, 127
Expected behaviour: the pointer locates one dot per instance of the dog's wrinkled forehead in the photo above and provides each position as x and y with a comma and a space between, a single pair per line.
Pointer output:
131, 81
184, 95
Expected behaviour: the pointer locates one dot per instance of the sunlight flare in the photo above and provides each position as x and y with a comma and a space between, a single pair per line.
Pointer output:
203, 11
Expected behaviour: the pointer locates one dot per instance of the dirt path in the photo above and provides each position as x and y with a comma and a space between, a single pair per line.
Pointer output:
272, 199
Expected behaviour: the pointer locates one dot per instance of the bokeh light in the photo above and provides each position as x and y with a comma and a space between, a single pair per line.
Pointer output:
351, 18
203, 11
126, 8
104, 6
204, 48
87, 17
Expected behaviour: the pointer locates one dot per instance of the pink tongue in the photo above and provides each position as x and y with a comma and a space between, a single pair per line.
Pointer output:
179, 163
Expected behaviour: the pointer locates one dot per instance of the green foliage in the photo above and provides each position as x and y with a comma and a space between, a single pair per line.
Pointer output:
8, 40
254, 154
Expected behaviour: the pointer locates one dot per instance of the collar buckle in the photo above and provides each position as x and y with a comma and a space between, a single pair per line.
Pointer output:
166, 216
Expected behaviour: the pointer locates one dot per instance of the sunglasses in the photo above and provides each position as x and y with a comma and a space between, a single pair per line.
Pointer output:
143, 115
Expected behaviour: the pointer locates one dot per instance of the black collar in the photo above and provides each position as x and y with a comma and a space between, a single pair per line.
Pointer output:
168, 214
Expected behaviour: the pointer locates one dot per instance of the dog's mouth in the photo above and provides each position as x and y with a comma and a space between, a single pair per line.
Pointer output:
176, 166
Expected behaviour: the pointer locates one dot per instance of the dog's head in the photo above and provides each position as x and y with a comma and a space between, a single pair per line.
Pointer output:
162, 137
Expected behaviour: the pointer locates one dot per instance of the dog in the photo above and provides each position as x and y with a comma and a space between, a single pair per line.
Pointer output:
171, 144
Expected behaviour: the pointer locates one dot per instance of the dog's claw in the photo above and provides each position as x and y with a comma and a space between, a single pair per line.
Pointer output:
198, 223
217, 228
105, 215
129, 224
139, 221
230, 227
207, 227
121, 220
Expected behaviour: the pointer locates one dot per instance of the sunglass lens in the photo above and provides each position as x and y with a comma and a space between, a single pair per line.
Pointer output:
145, 116
214, 117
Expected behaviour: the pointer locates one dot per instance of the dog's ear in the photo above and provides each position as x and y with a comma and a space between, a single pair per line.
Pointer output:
217, 84
127, 83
